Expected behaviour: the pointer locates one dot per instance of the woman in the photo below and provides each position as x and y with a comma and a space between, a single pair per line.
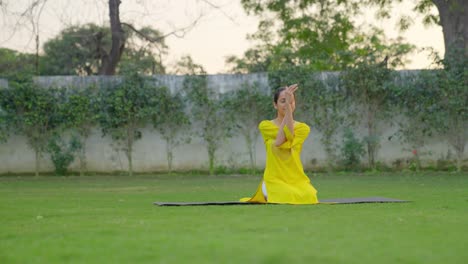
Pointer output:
284, 180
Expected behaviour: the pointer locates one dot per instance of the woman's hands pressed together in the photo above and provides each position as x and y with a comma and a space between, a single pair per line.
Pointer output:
290, 97
287, 119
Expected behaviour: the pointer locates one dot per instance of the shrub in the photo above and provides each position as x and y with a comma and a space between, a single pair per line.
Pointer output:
62, 153
352, 150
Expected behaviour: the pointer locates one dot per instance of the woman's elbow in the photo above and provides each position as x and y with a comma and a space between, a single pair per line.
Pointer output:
279, 143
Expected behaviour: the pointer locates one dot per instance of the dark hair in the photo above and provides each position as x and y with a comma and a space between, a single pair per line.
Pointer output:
277, 93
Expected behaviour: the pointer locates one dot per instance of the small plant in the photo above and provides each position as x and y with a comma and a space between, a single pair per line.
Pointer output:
221, 169
62, 153
352, 150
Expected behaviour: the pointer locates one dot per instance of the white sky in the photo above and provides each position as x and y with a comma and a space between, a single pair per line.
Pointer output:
218, 34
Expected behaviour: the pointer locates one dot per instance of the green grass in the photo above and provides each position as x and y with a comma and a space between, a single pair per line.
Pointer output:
111, 219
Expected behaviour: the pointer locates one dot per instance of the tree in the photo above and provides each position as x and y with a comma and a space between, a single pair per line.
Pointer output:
453, 82
254, 60
318, 35
126, 108
452, 19
326, 25
171, 121
205, 107
75, 51
33, 113
143, 55
446, 108
82, 50
409, 98
15, 65
368, 86
313, 33
80, 112
247, 107
111, 56
323, 105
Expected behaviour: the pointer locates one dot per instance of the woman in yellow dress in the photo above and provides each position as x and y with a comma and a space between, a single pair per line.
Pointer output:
284, 180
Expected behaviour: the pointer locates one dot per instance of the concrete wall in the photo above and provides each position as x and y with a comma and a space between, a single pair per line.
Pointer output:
149, 154
3, 83
221, 83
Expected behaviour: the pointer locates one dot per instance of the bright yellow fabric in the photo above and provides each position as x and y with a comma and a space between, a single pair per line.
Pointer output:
284, 175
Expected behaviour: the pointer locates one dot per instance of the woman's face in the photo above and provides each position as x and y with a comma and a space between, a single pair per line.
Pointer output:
280, 106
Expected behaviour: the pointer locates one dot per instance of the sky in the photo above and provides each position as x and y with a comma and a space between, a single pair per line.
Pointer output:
219, 32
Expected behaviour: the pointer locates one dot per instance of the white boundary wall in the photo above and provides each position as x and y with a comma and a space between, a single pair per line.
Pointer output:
149, 152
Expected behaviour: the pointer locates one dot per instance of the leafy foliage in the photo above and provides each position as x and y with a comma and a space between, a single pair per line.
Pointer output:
206, 108
82, 50
246, 107
15, 65
171, 121
320, 35
145, 56
408, 98
187, 66
4, 117
80, 113
126, 109
33, 112
445, 106
309, 32
368, 86
4, 126
325, 104
76, 50
62, 153
351, 149
208, 115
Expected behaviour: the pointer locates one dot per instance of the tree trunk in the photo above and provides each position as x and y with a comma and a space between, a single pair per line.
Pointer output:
327, 143
370, 137
211, 157
458, 139
251, 146
37, 162
110, 62
169, 154
82, 156
454, 21
459, 158
326, 139
130, 139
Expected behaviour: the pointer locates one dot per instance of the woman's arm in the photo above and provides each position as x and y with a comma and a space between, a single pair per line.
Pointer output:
281, 136
288, 119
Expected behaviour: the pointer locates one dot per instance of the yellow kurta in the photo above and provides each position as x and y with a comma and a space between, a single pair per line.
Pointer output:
284, 175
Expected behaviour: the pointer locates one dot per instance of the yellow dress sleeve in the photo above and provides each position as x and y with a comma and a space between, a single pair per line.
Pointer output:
269, 132
301, 132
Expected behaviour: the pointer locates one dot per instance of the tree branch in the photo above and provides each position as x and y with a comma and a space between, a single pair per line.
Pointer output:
220, 10
180, 33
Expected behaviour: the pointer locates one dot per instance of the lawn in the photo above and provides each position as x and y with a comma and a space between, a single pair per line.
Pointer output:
112, 219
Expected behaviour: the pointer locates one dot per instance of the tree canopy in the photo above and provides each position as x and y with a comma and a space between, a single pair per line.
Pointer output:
81, 50
325, 35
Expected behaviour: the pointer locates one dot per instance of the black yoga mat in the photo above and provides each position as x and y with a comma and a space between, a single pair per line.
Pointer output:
322, 201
